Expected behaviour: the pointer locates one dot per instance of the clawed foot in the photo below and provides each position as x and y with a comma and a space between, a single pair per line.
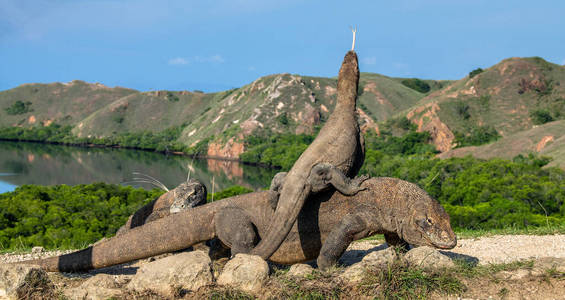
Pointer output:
357, 181
324, 263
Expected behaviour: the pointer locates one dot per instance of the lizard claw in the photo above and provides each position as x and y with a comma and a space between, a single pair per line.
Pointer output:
360, 179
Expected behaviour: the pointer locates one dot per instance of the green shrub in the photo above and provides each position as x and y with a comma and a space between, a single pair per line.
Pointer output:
475, 72
462, 109
416, 84
477, 135
18, 108
283, 119
172, 97
541, 116
229, 192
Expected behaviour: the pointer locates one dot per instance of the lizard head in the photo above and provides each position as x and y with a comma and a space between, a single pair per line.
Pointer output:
427, 223
187, 195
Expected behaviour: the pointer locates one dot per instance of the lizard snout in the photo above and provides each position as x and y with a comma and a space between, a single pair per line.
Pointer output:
447, 241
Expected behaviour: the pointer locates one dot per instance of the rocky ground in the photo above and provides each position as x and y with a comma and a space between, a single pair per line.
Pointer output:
500, 267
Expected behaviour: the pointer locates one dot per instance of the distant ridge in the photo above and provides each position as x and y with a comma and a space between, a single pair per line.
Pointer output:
506, 98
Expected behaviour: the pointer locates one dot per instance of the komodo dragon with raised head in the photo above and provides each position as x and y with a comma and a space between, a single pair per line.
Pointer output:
329, 222
334, 156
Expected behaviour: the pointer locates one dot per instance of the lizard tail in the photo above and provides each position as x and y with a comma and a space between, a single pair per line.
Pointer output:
176, 232
283, 220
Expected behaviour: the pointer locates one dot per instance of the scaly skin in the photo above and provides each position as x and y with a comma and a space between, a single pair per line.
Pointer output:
324, 228
334, 156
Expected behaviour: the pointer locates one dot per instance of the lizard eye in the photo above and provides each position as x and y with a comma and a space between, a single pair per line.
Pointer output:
430, 222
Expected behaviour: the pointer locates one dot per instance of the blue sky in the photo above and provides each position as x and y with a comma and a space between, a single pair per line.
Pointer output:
216, 45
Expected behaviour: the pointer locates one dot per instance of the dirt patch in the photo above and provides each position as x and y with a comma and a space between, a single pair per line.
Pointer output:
231, 149
442, 136
368, 123
372, 87
546, 139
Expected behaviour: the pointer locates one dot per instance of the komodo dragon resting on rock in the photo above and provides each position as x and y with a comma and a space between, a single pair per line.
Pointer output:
329, 222
333, 157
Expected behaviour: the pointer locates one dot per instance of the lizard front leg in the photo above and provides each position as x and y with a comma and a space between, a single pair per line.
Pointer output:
393, 240
352, 227
235, 230
323, 175
275, 189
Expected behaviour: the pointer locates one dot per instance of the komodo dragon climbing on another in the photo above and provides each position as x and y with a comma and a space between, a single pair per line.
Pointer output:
325, 227
334, 156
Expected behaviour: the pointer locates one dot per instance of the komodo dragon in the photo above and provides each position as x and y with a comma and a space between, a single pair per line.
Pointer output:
334, 156
325, 227
186, 195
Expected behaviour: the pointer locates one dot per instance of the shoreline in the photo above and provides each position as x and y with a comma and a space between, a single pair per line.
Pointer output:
178, 153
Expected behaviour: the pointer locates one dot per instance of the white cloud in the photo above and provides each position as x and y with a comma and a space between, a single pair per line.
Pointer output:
214, 59
371, 60
251, 68
178, 61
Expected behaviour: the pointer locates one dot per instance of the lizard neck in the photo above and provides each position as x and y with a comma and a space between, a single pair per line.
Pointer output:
347, 83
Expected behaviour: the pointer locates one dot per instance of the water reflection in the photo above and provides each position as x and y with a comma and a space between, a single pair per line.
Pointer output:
33, 163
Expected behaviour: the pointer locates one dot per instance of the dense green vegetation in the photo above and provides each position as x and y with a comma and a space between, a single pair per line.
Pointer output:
72, 216
278, 150
18, 108
164, 141
477, 135
229, 192
66, 216
417, 85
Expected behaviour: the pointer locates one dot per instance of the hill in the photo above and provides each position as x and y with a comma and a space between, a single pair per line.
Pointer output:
511, 96
547, 139
62, 103
280, 103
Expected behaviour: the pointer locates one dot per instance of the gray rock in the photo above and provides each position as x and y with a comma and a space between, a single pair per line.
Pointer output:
428, 258
375, 259
167, 276
354, 273
380, 258
300, 270
246, 272
24, 281
101, 286
37, 250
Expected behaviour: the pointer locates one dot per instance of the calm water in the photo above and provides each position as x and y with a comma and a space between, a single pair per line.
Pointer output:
34, 163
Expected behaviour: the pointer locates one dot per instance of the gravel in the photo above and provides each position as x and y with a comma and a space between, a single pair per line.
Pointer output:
498, 248
488, 250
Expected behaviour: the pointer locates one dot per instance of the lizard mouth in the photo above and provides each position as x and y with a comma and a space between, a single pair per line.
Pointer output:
447, 245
